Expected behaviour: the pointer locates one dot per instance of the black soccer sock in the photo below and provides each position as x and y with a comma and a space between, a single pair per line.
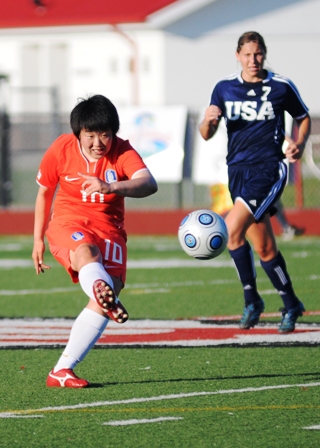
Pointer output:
244, 263
276, 270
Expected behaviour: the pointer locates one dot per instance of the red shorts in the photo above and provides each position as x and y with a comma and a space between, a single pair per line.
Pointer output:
65, 234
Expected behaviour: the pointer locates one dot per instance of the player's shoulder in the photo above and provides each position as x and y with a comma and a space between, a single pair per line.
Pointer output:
229, 79
120, 148
276, 78
120, 145
64, 148
65, 140
64, 143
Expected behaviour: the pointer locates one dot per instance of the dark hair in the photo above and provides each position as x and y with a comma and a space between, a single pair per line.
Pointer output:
251, 36
95, 114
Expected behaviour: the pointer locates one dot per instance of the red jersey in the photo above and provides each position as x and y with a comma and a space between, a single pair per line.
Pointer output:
64, 160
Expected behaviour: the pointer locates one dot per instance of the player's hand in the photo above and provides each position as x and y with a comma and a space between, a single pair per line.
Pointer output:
93, 184
212, 113
37, 256
293, 152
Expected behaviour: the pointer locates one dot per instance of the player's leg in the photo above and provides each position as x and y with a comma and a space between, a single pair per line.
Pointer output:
274, 265
84, 254
96, 282
85, 332
239, 219
92, 321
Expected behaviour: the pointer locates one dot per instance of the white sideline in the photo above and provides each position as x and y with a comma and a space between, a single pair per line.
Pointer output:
24, 412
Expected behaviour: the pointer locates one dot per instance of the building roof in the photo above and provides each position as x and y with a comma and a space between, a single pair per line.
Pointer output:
42, 13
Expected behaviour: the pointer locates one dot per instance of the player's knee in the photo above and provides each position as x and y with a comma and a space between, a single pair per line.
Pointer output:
264, 251
84, 254
235, 239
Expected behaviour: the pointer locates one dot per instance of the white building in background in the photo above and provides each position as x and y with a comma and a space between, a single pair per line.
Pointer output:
180, 51
82, 61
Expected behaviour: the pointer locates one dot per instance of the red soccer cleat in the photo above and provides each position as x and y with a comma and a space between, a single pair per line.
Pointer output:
109, 302
65, 378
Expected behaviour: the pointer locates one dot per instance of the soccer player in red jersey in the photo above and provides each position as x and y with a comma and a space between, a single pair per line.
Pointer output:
85, 177
253, 104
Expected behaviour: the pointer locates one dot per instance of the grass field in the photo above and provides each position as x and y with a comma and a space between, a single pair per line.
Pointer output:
161, 397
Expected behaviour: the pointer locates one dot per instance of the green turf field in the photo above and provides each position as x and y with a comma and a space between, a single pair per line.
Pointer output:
161, 397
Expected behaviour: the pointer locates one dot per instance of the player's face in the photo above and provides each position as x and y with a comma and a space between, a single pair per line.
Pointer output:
95, 144
251, 58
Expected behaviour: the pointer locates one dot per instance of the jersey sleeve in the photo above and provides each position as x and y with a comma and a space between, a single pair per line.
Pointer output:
216, 98
48, 171
129, 161
294, 103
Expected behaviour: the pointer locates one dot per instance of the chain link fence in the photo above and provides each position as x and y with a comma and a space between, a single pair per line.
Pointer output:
25, 137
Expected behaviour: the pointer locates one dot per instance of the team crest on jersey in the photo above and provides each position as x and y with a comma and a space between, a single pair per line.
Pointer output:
77, 236
110, 176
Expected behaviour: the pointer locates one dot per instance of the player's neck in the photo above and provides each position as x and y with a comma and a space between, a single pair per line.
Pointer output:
253, 79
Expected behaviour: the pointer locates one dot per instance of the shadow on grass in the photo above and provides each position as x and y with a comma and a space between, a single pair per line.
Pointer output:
312, 375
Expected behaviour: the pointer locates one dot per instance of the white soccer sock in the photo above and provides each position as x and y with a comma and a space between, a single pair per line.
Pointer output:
85, 332
89, 274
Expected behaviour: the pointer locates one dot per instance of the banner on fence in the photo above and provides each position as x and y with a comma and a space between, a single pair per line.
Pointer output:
158, 134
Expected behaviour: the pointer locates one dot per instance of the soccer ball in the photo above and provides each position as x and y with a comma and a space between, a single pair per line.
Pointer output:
203, 234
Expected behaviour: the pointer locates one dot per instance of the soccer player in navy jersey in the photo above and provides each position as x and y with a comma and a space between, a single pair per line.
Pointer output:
252, 103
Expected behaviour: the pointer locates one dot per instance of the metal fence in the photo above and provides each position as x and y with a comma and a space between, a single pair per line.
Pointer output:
25, 137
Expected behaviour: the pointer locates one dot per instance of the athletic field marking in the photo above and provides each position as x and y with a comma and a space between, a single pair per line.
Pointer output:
312, 427
162, 410
204, 332
8, 263
17, 413
135, 421
133, 286
147, 286
197, 332
24, 292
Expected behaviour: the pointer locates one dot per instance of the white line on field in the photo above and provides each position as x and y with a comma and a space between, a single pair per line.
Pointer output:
23, 416
23, 292
135, 421
133, 286
15, 414
139, 264
9, 292
147, 287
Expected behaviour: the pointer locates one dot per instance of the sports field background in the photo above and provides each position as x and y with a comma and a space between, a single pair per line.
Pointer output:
259, 396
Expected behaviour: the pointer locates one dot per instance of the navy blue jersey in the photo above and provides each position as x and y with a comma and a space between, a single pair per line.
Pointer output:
254, 116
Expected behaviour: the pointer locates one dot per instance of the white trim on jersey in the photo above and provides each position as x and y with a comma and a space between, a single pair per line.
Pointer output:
273, 192
228, 78
139, 171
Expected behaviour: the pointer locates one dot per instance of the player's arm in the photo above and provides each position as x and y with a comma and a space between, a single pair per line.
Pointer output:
41, 217
141, 185
295, 148
210, 122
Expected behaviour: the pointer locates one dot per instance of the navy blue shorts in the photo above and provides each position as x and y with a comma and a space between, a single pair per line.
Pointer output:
258, 186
